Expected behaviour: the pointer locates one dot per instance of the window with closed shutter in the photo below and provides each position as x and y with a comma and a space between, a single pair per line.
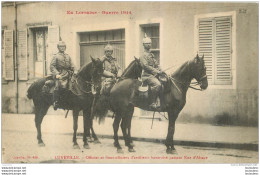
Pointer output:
215, 43
8, 54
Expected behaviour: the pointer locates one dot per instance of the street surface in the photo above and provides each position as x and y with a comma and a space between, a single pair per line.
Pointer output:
19, 145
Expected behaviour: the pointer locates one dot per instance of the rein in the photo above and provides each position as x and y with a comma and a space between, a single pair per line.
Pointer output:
191, 84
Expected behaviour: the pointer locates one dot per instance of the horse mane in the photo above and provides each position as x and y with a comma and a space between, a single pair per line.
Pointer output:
128, 70
84, 71
180, 70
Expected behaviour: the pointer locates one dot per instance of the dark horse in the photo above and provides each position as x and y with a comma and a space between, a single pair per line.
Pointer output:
124, 97
87, 81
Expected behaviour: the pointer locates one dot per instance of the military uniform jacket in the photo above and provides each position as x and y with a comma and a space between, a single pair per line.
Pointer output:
149, 64
110, 64
61, 63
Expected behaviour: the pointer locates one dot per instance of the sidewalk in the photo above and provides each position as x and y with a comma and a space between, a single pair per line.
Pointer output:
185, 134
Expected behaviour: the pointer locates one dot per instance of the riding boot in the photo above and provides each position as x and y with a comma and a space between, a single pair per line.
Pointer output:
153, 105
56, 97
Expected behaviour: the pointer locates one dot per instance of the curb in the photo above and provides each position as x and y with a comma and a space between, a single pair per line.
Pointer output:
240, 146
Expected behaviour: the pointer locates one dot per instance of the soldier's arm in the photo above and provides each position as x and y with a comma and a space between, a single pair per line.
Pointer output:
53, 65
108, 74
72, 66
146, 67
119, 70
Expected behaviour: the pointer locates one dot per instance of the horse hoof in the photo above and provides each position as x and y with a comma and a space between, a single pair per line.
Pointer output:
41, 144
97, 142
171, 151
76, 146
131, 150
120, 150
86, 146
90, 139
131, 144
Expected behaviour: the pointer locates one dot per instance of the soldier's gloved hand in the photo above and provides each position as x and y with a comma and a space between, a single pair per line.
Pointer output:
160, 72
58, 76
113, 76
118, 76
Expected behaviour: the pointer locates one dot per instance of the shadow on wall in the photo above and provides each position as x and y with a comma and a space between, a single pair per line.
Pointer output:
9, 105
223, 119
6, 104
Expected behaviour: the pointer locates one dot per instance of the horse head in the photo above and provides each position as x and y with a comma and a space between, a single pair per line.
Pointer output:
138, 67
133, 71
96, 72
199, 71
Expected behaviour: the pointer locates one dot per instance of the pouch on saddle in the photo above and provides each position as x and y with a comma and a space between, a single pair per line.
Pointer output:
48, 85
74, 84
144, 88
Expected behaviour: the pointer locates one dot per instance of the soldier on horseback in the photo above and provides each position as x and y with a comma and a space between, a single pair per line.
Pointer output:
151, 70
61, 68
111, 70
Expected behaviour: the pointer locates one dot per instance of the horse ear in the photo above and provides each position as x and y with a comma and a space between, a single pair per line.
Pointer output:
196, 59
93, 59
137, 59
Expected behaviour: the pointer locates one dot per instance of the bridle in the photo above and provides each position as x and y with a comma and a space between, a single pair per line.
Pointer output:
91, 83
192, 85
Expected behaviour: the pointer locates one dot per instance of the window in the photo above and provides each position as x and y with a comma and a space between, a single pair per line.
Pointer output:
153, 32
215, 42
93, 43
40, 36
8, 54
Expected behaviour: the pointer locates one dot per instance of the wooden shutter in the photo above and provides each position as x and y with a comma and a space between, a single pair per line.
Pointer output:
223, 50
206, 46
53, 39
9, 54
22, 55
215, 44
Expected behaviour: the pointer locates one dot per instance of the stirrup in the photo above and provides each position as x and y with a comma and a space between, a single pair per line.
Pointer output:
154, 106
55, 105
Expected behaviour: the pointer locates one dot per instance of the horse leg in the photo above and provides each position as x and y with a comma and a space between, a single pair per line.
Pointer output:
172, 115
86, 128
75, 128
93, 133
125, 134
40, 112
115, 127
129, 121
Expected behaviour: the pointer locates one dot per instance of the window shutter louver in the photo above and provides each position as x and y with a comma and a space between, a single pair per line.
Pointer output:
22, 55
9, 54
215, 44
53, 39
206, 46
223, 50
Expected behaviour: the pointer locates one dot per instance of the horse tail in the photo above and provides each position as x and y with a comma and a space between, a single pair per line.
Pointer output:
102, 107
35, 88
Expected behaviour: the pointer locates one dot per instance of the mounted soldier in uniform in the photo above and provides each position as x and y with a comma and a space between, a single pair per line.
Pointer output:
62, 69
151, 70
112, 70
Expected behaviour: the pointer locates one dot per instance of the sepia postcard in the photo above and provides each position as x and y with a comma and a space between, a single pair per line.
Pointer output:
130, 82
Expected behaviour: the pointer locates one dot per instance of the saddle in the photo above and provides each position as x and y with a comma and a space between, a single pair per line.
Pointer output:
144, 92
74, 84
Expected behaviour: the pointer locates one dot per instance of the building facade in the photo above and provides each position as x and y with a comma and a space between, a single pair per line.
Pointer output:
226, 33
